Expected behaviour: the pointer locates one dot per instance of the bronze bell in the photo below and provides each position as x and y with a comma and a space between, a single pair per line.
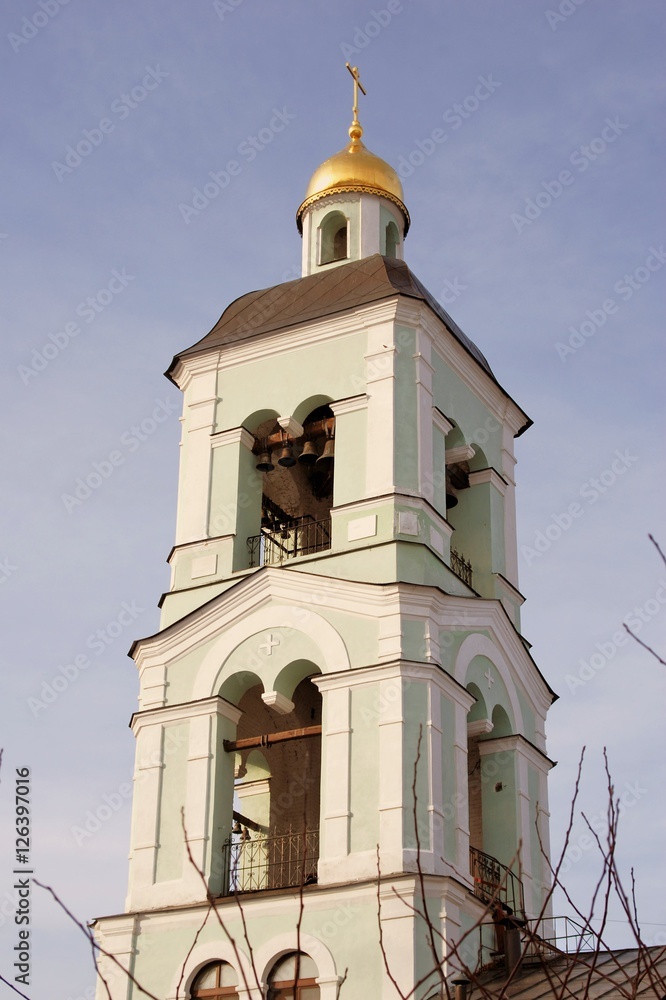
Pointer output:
286, 459
451, 498
265, 464
327, 455
309, 454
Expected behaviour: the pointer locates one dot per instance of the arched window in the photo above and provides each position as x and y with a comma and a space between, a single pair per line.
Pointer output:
333, 238
216, 980
392, 240
294, 977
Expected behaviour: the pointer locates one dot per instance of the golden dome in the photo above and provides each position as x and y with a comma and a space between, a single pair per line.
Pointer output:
354, 168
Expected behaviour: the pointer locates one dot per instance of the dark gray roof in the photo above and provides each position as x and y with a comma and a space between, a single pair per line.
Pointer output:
324, 294
598, 976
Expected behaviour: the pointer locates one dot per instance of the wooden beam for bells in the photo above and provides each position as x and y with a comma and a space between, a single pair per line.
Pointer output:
268, 739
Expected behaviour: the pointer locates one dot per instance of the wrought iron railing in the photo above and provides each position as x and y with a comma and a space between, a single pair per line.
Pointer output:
461, 567
494, 882
540, 940
254, 861
301, 538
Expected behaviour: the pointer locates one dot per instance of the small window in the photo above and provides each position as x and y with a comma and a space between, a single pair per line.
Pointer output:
392, 240
333, 238
287, 982
215, 981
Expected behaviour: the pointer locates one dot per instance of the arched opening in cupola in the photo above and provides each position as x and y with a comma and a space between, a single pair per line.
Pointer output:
391, 240
333, 238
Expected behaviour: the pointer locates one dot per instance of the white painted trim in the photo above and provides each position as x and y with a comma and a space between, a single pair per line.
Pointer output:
518, 742
291, 426
281, 704
481, 645
349, 405
489, 476
479, 728
463, 453
235, 435
333, 651
183, 711
441, 422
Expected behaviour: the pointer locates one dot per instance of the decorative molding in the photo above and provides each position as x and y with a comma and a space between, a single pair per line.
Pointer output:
517, 742
463, 453
408, 522
291, 426
479, 727
203, 566
491, 476
235, 435
279, 702
362, 527
350, 405
440, 421
184, 711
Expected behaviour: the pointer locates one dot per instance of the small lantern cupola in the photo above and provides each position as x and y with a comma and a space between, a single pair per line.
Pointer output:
353, 206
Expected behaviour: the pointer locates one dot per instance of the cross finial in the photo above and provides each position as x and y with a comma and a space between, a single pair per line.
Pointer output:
356, 131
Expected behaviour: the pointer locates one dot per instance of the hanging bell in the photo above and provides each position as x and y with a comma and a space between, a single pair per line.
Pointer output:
327, 455
309, 454
265, 464
451, 498
286, 459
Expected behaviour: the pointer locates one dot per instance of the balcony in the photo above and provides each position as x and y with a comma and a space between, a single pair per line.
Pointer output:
300, 536
254, 861
461, 567
494, 882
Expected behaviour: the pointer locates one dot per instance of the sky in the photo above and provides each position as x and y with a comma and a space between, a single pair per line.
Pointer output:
537, 220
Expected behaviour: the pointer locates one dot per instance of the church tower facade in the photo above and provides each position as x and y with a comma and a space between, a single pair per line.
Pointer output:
340, 726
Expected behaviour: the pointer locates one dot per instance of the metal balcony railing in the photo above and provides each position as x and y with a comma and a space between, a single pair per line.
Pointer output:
255, 861
299, 538
540, 941
461, 567
494, 882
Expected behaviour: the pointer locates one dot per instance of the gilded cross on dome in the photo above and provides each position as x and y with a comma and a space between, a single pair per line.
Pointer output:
356, 131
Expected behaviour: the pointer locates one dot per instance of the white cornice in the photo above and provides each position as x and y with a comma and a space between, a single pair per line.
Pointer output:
463, 453
300, 335
440, 421
471, 372
366, 600
235, 435
187, 710
349, 405
517, 742
491, 476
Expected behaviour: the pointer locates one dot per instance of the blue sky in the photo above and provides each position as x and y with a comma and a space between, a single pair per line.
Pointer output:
538, 220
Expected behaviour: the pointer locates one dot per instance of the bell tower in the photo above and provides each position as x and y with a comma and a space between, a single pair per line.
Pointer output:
339, 693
